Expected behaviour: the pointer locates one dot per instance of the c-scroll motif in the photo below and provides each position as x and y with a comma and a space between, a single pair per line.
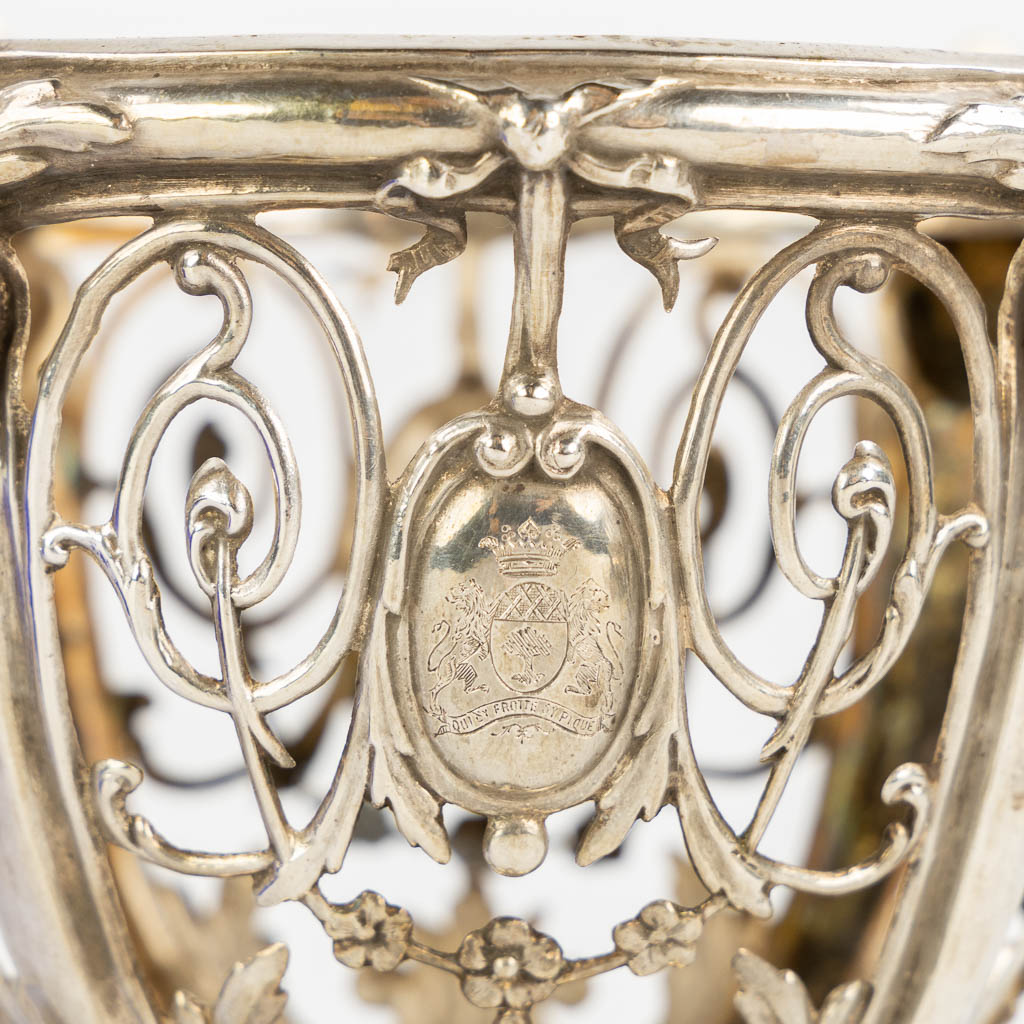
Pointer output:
864, 495
218, 516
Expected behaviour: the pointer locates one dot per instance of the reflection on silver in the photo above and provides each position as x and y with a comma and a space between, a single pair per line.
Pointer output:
522, 598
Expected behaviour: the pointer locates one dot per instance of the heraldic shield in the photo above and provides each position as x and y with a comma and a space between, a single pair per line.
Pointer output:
529, 636
525, 640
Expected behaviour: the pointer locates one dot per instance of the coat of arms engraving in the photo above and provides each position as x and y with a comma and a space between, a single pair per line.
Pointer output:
529, 640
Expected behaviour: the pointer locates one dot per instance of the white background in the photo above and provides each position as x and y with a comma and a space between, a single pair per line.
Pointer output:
989, 25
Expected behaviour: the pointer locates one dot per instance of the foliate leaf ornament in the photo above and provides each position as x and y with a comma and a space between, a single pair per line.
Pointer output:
393, 780
33, 118
769, 996
986, 132
251, 994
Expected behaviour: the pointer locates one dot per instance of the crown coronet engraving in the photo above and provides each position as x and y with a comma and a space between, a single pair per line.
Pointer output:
529, 550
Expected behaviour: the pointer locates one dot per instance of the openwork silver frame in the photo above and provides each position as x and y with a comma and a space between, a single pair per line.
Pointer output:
203, 136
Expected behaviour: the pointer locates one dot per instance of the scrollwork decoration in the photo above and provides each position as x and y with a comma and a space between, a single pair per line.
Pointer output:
218, 514
592, 673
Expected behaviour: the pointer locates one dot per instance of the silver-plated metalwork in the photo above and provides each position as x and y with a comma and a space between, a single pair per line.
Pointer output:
521, 599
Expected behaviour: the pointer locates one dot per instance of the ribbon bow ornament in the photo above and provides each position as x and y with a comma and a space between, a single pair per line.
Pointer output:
541, 135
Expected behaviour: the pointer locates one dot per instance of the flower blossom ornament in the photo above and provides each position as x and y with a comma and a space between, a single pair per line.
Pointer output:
369, 932
509, 966
663, 934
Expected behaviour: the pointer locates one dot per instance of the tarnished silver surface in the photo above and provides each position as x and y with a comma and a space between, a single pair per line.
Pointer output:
523, 596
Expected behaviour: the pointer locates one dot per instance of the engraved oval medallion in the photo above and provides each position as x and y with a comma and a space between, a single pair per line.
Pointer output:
522, 640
